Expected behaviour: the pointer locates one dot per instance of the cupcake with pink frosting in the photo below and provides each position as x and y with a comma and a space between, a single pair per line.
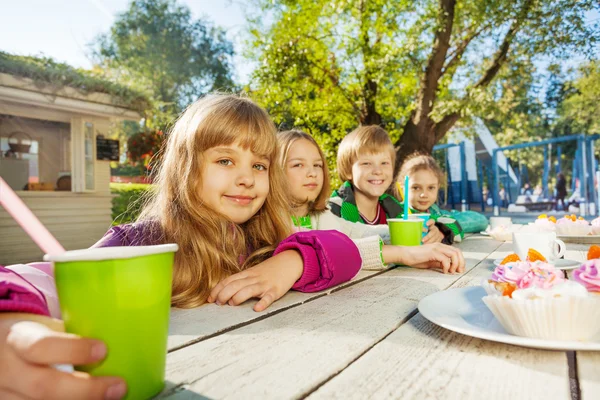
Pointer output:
542, 303
588, 275
505, 278
570, 225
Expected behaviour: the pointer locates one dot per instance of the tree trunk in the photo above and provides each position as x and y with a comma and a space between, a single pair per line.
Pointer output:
419, 131
370, 116
414, 139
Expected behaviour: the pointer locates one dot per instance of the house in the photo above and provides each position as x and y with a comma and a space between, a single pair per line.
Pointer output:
54, 154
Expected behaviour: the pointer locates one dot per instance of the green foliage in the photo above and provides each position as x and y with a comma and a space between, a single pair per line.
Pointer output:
327, 66
158, 47
581, 107
46, 71
127, 170
127, 203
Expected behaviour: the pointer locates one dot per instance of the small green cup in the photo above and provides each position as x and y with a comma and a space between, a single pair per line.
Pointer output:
122, 296
405, 232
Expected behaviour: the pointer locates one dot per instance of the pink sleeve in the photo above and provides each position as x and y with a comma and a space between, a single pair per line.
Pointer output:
40, 276
17, 294
330, 258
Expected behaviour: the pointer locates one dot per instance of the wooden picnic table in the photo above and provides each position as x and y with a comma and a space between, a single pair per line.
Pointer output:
366, 339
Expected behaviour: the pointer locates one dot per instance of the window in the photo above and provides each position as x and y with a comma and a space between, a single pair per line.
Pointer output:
33, 153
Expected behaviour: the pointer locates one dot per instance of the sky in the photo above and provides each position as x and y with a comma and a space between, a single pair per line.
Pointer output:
62, 29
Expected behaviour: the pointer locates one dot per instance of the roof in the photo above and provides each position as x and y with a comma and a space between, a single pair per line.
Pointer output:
47, 72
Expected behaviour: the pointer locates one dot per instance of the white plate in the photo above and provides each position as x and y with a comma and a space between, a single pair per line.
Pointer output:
484, 233
561, 263
462, 310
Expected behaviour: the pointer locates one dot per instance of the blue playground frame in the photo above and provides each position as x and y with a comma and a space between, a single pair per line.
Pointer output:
584, 170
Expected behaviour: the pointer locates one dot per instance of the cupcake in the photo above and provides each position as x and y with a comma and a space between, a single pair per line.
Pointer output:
572, 226
505, 278
545, 223
588, 275
501, 233
595, 226
543, 303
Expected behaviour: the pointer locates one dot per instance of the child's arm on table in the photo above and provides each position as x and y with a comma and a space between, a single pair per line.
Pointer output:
306, 261
447, 258
29, 348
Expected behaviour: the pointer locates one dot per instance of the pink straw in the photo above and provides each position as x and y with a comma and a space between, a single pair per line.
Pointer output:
28, 221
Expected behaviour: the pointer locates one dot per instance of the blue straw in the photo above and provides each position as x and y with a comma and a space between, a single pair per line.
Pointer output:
406, 197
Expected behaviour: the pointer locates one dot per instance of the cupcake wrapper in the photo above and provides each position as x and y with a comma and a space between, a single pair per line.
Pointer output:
566, 318
573, 229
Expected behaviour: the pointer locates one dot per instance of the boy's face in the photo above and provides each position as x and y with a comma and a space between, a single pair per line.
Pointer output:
372, 174
304, 171
235, 182
424, 187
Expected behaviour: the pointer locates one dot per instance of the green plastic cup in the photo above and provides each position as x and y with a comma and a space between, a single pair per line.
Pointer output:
405, 232
122, 296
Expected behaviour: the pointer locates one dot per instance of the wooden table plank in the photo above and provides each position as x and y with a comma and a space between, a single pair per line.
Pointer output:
187, 326
588, 372
421, 360
588, 362
291, 353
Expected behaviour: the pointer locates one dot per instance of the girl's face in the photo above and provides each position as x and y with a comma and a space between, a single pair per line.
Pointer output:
235, 182
304, 171
424, 186
372, 174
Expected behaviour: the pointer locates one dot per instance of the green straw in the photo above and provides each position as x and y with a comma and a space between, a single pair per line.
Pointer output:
406, 197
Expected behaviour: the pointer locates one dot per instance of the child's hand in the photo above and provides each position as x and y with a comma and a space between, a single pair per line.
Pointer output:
449, 259
29, 349
268, 281
434, 235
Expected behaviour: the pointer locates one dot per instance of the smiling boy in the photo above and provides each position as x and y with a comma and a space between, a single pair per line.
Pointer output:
365, 162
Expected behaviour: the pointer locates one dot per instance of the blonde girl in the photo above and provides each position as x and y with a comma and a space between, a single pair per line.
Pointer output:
308, 181
219, 195
425, 177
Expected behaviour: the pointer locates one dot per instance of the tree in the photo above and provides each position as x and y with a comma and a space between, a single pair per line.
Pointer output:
413, 67
157, 46
580, 108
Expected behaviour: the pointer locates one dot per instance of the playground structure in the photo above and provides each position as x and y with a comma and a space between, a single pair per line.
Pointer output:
468, 162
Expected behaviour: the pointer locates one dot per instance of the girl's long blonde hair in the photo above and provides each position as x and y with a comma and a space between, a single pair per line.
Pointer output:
211, 247
286, 140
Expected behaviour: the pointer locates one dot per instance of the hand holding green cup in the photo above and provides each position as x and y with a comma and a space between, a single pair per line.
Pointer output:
122, 296
405, 232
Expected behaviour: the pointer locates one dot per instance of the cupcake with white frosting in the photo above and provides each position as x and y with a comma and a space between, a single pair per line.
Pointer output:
595, 226
545, 223
570, 225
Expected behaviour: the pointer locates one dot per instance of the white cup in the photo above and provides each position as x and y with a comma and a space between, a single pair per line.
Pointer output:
545, 243
500, 221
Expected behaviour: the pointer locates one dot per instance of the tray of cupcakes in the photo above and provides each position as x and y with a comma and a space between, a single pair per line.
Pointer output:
570, 228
